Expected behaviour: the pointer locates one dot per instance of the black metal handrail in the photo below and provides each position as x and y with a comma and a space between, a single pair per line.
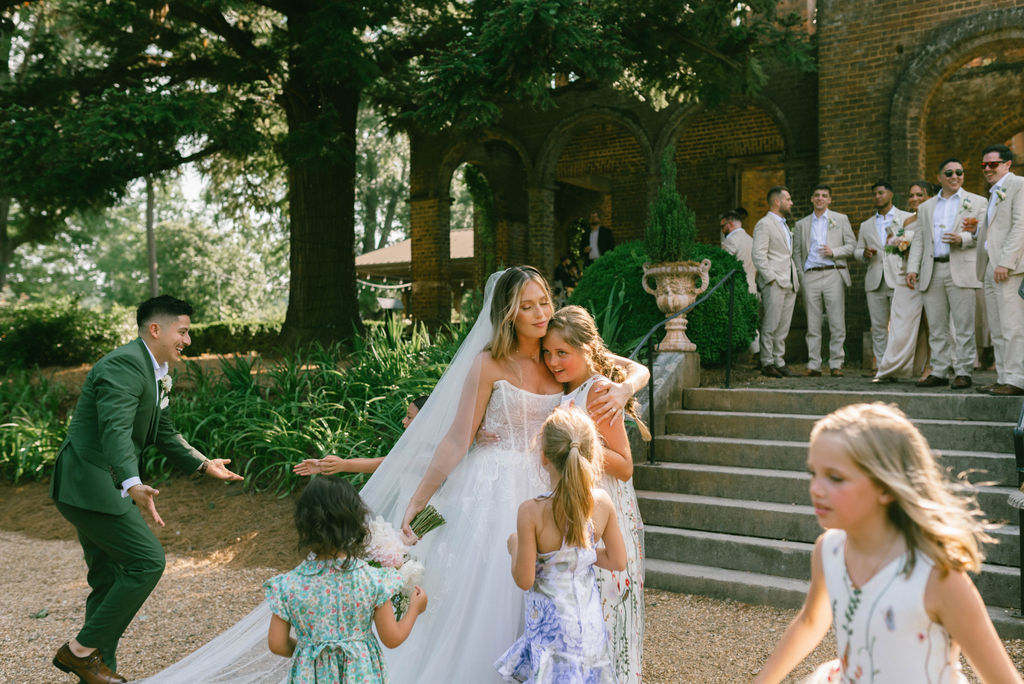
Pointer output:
1018, 452
648, 339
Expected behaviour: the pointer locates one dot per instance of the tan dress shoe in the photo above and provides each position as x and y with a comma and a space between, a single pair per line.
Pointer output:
91, 669
1007, 391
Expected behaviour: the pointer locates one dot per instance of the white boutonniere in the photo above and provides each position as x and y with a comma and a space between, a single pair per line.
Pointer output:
967, 204
831, 222
165, 389
1001, 194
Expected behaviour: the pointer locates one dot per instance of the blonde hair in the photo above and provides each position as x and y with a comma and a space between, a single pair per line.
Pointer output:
578, 329
508, 293
945, 525
569, 441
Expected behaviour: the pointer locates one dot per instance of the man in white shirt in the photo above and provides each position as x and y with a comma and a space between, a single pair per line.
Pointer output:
772, 253
1000, 265
598, 241
822, 242
942, 266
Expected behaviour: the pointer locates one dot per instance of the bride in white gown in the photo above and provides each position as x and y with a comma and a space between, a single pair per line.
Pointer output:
497, 380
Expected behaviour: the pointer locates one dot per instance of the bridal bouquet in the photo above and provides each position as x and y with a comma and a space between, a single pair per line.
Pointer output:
899, 244
387, 550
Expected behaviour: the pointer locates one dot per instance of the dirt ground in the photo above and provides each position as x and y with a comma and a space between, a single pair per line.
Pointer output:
222, 543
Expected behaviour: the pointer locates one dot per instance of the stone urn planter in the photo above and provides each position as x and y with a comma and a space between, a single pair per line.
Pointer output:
677, 285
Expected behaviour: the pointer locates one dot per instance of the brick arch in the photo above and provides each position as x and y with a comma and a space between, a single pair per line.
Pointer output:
942, 53
569, 128
476, 152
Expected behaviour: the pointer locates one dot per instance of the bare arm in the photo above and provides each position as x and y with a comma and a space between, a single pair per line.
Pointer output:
328, 465
806, 630
953, 601
613, 555
279, 640
393, 632
522, 545
608, 398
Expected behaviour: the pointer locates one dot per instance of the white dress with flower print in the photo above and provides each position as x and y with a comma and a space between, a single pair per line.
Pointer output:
622, 593
883, 632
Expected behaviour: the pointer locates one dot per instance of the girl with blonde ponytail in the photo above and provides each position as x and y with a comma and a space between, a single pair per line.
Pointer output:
554, 551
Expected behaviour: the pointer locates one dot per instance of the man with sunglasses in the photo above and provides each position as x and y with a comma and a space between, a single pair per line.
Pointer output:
1000, 265
942, 266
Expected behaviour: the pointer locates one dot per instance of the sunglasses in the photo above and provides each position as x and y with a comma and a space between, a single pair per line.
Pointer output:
992, 164
950, 172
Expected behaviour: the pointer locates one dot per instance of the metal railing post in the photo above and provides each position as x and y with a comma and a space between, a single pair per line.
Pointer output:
650, 398
728, 345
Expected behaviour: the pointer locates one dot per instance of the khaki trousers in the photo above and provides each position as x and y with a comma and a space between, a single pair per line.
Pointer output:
776, 315
879, 304
1006, 321
945, 302
824, 293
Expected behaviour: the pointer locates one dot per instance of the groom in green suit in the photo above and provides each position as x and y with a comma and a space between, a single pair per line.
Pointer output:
97, 486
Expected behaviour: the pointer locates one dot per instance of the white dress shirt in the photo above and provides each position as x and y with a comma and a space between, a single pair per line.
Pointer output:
946, 209
819, 232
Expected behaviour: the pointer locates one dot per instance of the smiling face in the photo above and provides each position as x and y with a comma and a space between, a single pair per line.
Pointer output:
567, 364
843, 495
951, 177
820, 199
168, 337
993, 176
534, 312
916, 196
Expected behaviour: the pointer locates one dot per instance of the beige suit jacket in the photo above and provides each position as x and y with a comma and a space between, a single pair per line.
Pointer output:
880, 269
839, 237
961, 257
773, 255
740, 245
1005, 234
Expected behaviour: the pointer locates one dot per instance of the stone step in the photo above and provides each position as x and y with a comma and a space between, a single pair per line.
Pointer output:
936, 405
763, 484
999, 585
771, 520
757, 588
991, 436
999, 468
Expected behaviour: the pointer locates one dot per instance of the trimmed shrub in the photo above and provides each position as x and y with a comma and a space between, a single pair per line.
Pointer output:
229, 337
622, 269
60, 333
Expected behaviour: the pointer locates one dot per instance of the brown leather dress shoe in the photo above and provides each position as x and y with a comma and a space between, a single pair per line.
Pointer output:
933, 381
814, 373
784, 371
984, 389
771, 372
91, 669
961, 382
836, 372
1007, 391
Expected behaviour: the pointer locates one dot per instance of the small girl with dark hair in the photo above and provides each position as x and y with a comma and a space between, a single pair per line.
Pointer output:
332, 597
553, 557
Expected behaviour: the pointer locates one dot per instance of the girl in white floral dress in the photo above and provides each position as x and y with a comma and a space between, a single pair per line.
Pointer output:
577, 357
332, 598
890, 572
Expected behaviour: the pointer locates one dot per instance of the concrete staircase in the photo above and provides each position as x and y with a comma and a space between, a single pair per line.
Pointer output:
727, 511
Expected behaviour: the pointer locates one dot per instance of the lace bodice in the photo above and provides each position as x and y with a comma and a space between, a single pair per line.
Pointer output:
516, 415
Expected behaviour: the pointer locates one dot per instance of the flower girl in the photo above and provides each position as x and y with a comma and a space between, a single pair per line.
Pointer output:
332, 598
890, 572
575, 354
553, 554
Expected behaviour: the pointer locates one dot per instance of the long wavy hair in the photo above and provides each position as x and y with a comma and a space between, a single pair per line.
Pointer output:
935, 519
570, 442
331, 520
508, 293
578, 329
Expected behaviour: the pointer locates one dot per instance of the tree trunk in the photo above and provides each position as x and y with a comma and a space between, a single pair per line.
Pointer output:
154, 282
6, 244
371, 196
322, 302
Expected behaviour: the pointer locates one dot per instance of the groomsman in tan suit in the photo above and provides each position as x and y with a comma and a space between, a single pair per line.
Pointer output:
777, 279
822, 242
880, 278
1000, 265
942, 266
737, 242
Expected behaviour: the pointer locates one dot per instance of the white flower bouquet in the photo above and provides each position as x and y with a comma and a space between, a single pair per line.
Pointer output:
387, 550
165, 389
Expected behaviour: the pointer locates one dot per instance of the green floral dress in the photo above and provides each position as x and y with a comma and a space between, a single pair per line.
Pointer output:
331, 610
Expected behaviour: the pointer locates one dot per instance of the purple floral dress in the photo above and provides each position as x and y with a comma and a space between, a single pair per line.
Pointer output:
331, 610
565, 640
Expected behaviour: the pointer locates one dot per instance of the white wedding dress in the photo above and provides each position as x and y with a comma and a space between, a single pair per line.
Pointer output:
475, 609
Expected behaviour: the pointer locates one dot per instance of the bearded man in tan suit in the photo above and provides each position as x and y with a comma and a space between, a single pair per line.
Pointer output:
777, 279
942, 266
822, 242
1000, 265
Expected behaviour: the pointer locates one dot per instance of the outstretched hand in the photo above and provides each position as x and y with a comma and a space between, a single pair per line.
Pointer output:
218, 469
143, 496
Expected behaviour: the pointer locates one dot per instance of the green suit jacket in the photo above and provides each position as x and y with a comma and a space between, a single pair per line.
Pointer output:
118, 415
